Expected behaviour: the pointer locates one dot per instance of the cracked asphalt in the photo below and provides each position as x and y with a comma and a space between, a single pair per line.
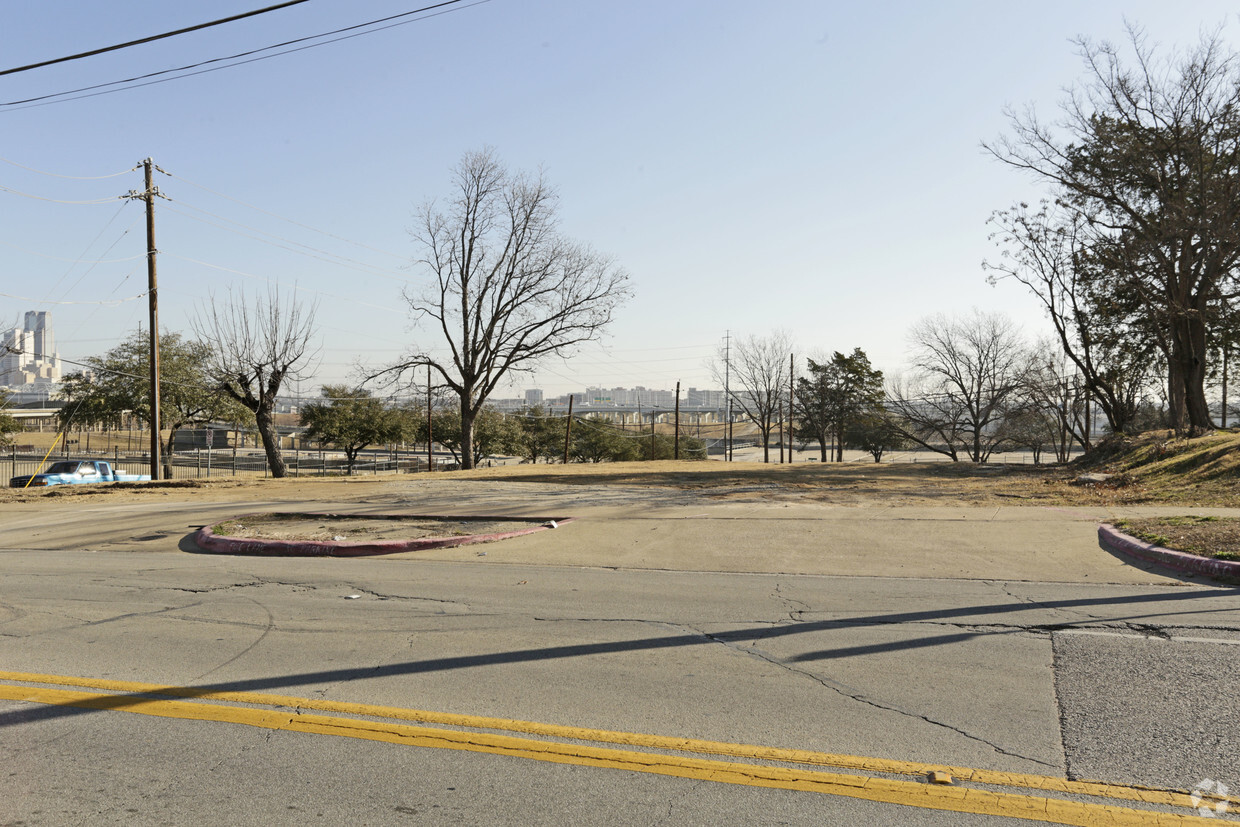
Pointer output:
992, 638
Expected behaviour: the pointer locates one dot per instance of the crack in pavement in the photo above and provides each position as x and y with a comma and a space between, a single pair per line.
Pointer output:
271, 623
789, 602
1006, 588
859, 696
404, 597
842, 689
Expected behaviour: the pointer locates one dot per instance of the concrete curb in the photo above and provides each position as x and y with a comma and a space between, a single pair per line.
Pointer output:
208, 540
1227, 571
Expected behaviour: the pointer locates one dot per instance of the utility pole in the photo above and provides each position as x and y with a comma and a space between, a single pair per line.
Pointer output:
676, 439
568, 428
792, 380
430, 457
727, 394
148, 195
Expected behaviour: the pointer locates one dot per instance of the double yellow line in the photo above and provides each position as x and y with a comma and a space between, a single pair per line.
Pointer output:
970, 791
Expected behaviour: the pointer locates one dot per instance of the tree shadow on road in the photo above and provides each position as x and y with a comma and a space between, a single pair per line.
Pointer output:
972, 618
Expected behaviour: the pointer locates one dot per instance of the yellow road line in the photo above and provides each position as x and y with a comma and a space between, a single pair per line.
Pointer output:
759, 753
956, 799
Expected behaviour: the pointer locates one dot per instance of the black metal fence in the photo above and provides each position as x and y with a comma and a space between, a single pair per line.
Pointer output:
203, 464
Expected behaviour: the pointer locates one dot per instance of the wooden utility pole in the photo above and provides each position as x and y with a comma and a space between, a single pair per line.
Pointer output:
792, 379
568, 428
430, 457
727, 395
152, 294
676, 439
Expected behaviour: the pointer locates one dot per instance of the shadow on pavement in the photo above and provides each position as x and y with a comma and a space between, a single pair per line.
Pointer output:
415, 667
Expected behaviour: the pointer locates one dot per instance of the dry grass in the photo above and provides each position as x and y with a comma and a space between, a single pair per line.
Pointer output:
1154, 468
1217, 537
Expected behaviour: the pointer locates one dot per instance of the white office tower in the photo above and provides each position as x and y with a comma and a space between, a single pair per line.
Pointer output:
28, 353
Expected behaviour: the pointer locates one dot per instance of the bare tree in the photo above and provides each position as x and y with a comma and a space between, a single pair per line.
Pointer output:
507, 289
1048, 251
256, 346
1148, 154
757, 381
969, 374
1057, 398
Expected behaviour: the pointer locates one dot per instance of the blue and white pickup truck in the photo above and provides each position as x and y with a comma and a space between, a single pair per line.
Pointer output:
75, 472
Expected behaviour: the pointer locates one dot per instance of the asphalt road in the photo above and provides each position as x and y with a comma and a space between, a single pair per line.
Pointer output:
1009, 650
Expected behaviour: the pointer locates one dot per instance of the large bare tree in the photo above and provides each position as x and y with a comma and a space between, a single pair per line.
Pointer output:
506, 288
256, 346
756, 371
1147, 152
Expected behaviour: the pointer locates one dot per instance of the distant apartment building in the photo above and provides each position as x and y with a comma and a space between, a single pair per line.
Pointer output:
28, 353
707, 399
533, 397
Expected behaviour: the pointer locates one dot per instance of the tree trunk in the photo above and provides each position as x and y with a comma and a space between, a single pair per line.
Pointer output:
467, 433
1194, 372
265, 421
172, 435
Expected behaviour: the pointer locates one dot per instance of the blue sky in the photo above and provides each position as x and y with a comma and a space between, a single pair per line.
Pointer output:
811, 166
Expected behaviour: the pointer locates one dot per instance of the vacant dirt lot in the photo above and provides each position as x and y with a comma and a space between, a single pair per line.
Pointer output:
1155, 469
925, 484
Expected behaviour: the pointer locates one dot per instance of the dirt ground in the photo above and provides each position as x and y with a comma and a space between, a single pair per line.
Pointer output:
354, 529
848, 484
938, 483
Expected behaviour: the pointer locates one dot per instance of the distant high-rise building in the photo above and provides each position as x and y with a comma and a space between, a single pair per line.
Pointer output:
533, 396
28, 354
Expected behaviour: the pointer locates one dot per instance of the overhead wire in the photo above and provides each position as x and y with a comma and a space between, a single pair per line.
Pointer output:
96, 201
72, 260
149, 39
72, 177
288, 220
44, 100
308, 251
269, 280
94, 264
102, 302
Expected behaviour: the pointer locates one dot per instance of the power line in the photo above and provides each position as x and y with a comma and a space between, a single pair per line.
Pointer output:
72, 177
73, 260
90, 269
150, 39
43, 100
268, 279
58, 201
308, 251
288, 220
104, 302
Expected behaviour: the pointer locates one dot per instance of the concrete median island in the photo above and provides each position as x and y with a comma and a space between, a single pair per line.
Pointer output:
318, 534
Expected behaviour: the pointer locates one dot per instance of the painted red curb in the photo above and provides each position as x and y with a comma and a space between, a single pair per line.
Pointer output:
1111, 537
208, 540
